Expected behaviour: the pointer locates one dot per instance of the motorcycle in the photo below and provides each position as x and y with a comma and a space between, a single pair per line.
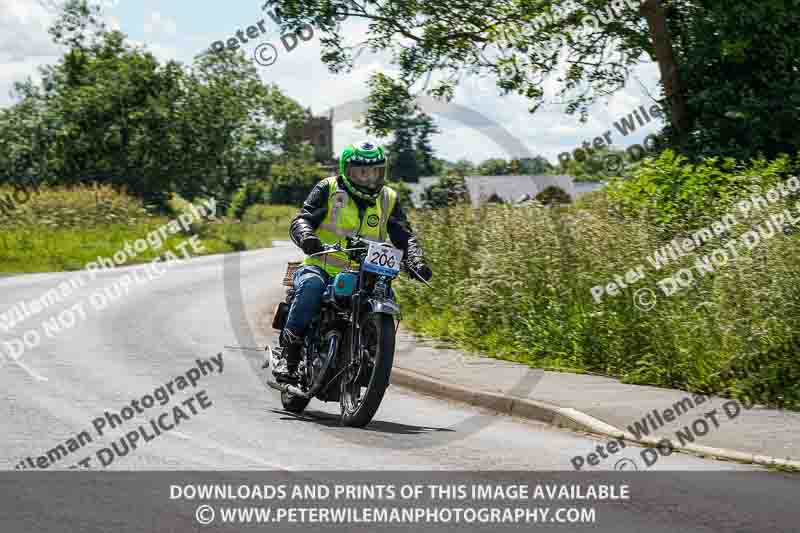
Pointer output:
348, 350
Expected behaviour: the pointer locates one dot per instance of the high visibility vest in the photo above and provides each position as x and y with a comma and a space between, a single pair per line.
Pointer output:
342, 221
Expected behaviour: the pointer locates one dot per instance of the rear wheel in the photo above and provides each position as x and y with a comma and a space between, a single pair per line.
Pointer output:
365, 381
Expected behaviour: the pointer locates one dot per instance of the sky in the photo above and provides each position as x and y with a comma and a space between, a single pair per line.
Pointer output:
180, 30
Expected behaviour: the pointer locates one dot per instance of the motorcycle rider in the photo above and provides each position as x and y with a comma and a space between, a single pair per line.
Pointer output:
354, 202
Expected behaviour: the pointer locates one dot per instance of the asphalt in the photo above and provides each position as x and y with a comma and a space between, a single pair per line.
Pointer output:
160, 328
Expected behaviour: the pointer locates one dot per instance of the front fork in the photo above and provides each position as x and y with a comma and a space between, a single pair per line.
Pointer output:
379, 301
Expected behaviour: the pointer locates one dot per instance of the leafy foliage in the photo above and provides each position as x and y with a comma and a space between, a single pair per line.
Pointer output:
502, 167
516, 41
672, 192
110, 113
462, 167
553, 195
403, 193
535, 166
392, 111
449, 190
495, 167
292, 181
251, 193
739, 62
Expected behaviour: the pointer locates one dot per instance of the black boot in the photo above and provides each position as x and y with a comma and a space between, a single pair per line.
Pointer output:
291, 344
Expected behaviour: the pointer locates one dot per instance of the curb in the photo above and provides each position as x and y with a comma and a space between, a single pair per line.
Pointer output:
564, 417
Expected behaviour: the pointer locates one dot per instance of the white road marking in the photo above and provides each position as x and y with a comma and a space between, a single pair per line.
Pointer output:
211, 445
35, 375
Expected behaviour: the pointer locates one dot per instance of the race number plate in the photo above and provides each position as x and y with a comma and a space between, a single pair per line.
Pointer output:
383, 259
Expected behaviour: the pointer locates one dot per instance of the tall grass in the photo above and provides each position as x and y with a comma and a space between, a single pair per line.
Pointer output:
516, 283
66, 228
74, 207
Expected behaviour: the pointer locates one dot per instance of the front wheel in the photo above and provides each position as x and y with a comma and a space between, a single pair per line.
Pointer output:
365, 381
294, 404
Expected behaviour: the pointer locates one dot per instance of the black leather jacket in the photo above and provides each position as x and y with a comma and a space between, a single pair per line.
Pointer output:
315, 209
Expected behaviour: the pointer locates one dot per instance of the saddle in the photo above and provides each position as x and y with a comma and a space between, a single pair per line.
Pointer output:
281, 312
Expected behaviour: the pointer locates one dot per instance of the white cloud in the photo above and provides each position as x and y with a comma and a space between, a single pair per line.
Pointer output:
113, 23
24, 43
23, 31
157, 25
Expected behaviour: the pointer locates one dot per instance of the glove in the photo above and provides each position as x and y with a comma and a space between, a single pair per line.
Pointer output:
423, 270
311, 245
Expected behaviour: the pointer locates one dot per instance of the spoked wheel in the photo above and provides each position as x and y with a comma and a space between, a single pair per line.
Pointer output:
367, 376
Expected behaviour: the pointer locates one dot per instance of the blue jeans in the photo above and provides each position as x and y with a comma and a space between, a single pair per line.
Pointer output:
309, 285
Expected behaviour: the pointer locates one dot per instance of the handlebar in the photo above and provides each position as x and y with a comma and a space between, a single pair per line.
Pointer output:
332, 248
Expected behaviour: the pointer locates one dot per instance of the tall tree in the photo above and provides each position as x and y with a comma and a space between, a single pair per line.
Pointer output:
402, 151
392, 110
535, 166
594, 44
494, 167
425, 128
109, 112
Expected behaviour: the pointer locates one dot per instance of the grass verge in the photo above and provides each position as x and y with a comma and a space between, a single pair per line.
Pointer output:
64, 229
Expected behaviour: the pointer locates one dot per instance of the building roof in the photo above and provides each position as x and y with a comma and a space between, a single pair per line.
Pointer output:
509, 188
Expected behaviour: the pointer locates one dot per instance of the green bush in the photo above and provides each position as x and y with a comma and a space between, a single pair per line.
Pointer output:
449, 190
553, 195
259, 226
403, 193
291, 182
249, 194
672, 192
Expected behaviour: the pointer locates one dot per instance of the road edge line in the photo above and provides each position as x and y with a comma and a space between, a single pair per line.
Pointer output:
565, 417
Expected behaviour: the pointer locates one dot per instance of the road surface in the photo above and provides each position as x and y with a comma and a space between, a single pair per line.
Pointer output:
158, 330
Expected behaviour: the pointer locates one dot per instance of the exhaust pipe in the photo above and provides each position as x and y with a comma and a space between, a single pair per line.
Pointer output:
291, 389
333, 347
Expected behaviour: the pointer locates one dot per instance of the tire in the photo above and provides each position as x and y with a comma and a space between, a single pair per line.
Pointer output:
294, 404
362, 414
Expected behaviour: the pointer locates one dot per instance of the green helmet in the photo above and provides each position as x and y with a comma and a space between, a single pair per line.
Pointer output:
366, 154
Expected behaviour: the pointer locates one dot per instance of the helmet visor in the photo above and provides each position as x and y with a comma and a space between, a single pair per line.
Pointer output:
369, 178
